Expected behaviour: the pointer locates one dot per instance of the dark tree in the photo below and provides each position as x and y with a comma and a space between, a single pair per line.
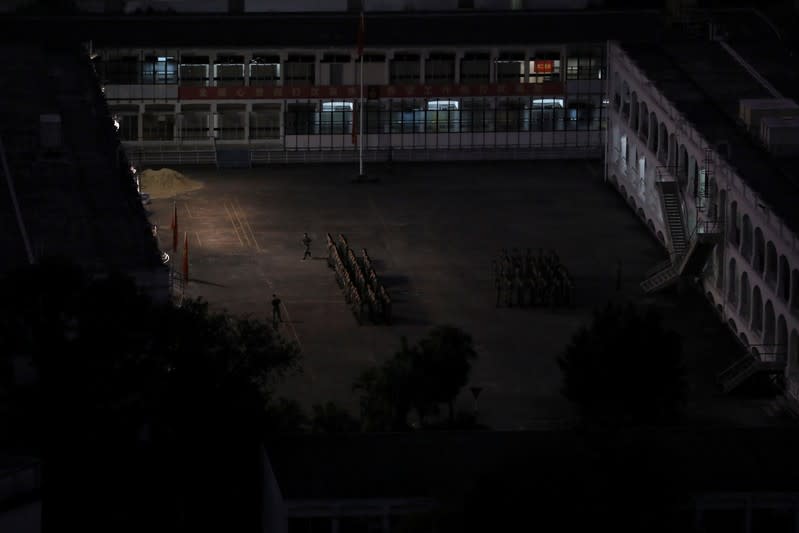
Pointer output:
107, 358
143, 414
446, 361
418, 378
624, 369
330, 418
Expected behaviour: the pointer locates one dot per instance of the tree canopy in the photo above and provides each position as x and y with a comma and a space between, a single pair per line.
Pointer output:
418, 378
110, 361
624, 369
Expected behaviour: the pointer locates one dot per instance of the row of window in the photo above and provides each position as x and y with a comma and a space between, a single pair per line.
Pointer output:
403, 69
308, 119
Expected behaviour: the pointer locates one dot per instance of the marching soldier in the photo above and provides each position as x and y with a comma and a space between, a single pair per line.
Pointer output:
276, 317
306, 240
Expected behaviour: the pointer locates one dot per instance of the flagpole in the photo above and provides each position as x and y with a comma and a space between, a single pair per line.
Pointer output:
360, 125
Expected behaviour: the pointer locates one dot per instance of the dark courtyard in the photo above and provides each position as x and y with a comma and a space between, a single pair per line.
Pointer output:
432, 231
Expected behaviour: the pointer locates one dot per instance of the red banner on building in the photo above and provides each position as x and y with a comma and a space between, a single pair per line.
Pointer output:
544, 66
329, 92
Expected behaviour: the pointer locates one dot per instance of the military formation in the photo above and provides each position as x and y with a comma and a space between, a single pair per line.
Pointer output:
529, 280
363, 291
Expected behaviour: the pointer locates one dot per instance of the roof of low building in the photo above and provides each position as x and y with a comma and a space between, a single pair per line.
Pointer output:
331, 30
705, 84
423, 464
76, 198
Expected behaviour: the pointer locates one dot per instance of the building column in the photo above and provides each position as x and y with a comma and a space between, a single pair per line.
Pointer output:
247, 111
140, 133
211, 69
283, 122
458, 59
178, 123
492, 65
247, 59
214, 121
283, 58
387, 66
318, 68
422, 60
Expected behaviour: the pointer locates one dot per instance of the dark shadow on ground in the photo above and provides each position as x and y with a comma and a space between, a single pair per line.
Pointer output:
206, 282
393, 281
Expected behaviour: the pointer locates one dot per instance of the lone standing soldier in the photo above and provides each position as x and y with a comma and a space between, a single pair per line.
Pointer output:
276, 318
306, 240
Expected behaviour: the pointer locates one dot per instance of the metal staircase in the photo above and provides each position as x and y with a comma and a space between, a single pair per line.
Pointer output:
744, 368
672, 211
660, 277
688, 255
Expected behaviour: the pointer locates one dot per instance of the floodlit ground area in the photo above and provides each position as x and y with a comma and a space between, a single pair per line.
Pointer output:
432, 231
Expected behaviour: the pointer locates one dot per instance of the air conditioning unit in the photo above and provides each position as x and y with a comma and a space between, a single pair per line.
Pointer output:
752, 111
781, 135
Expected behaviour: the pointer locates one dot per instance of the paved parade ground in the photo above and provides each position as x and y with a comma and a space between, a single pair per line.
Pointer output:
432, 231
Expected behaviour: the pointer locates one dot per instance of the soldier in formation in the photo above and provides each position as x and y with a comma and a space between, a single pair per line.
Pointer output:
358, 279
526, 280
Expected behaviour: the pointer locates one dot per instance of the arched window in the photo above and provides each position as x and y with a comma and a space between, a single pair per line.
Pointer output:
634, 112
644, 131
745, 297
663, 141
771, 264
795, 292
671, 155
746, 238
719, 266
682, 166
732, 292
784, 283
616, 92
768, 332
625, 101
757, 310
735, 229
794, 347
653, 137
782, 339
759, 260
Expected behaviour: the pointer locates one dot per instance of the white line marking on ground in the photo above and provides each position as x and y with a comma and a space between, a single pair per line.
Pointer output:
288, 321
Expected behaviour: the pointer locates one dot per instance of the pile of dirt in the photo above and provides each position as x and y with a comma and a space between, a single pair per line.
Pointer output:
166, 183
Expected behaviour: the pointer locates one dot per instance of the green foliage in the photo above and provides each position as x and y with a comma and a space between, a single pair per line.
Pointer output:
624, 369
286, 416
108, 359
330, 418
418, 378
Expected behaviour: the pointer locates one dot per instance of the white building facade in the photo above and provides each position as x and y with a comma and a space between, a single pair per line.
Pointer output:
456, 101
751, 275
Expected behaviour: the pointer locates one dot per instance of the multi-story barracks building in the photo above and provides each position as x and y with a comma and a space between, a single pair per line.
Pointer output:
703, 146
287, 87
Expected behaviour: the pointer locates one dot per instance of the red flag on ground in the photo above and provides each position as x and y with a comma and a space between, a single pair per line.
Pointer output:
354, 125
185, 257
360, 35
175, 228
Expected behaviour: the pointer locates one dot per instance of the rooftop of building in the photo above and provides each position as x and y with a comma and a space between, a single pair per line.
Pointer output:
282, 30
423, 464
74, 193
705, 84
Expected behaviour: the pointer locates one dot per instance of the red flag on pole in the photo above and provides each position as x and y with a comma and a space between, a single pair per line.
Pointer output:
175, 228
360, 35
185, 257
